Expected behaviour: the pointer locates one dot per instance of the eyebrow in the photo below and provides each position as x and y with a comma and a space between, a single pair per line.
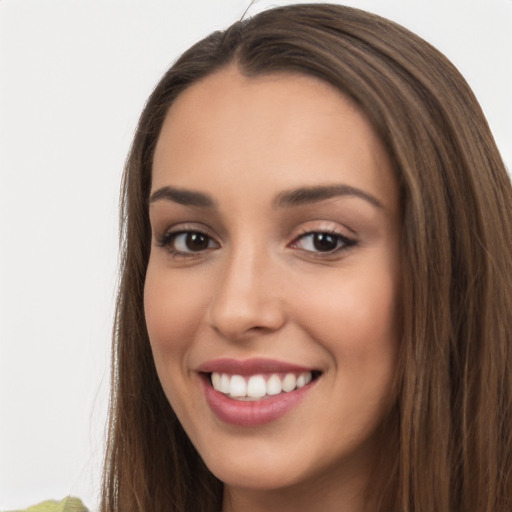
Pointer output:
182, 196
306, 195
288, 198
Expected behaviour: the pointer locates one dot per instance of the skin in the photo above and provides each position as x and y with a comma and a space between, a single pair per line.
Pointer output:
261, 288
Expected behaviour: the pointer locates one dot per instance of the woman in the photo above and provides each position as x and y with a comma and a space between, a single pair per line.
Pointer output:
314, 311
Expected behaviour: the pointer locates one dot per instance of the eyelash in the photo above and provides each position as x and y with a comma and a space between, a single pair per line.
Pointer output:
167, 241
343, 242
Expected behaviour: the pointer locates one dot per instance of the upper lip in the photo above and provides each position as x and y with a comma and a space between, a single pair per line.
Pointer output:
250, 366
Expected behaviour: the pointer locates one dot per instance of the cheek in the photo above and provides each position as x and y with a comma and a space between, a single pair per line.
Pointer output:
355, 319
355, 307
356, 322
173, 309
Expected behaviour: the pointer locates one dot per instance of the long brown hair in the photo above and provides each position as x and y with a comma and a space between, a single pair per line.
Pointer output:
450, 448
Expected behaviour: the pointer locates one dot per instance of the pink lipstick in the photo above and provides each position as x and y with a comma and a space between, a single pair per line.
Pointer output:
254, 391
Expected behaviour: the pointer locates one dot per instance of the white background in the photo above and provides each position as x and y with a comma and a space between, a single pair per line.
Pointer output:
73, 78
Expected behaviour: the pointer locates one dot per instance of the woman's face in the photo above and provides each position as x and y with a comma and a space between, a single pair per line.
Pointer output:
274, 272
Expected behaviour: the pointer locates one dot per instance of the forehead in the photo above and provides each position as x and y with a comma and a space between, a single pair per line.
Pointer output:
286, 129
232, 89
232, 100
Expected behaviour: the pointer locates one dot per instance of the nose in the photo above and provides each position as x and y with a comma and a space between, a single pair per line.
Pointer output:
247, 297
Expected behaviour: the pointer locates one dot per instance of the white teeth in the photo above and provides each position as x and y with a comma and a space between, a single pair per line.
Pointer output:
303, 379
289, 382
274, 385
224, 383
216, 380
256, 386
237, 386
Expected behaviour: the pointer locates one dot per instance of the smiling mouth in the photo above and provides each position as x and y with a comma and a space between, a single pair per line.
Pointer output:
259, 386
252, 392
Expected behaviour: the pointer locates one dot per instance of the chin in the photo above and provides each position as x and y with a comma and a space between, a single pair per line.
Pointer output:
257, 478
257, 467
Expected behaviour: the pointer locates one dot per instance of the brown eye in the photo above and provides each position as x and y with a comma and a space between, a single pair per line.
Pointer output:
323, 242
196, 241
187, 242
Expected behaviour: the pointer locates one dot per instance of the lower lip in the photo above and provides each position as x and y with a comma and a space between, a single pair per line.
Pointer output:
252, 413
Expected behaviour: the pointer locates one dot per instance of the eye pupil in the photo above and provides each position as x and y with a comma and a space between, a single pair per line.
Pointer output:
325, 242
196, 241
